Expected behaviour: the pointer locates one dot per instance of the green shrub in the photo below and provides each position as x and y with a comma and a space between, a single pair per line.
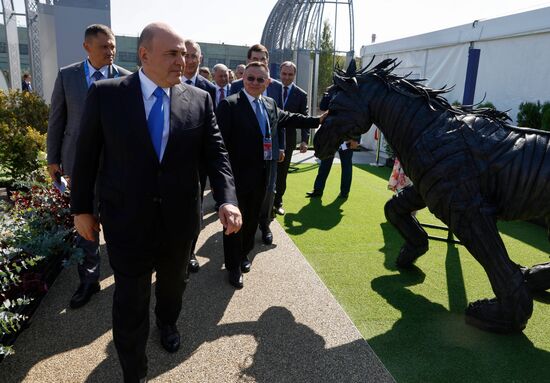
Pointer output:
487, 105
26, 108
23, 126
20, 147
545, 116
35, 232
529, 115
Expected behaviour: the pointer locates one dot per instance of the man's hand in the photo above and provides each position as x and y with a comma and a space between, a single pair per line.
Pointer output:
86, 225
322, 117
53, 169
303, 147
230, 217
281, 156
353, 144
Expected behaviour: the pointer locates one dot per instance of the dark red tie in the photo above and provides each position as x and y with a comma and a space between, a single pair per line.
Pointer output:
285, 94
222, 95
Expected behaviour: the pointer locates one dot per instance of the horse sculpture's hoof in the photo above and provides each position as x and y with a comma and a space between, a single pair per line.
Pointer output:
494, 316
408, 255
537, 277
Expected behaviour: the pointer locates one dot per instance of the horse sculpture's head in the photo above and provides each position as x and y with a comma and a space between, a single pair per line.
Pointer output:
347, 117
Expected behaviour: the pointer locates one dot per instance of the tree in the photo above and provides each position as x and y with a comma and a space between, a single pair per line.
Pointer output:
325, 60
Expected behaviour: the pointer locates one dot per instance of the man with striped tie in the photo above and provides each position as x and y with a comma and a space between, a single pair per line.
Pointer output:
191, 76
220, 73
67, 104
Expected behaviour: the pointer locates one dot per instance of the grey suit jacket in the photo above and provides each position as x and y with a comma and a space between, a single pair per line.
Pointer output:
67, 105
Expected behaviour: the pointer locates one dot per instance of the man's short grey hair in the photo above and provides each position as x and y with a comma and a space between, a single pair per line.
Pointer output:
194, 44
289, 64
218, 67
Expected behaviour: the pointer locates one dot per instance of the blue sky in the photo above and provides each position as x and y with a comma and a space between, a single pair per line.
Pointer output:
241, 22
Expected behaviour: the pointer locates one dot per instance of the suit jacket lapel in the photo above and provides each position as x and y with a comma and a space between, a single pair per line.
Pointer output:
250, 113
135, 113
82, 81
271, 113
179, 103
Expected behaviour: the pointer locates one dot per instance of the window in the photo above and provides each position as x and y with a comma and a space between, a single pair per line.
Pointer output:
3, 47
233, 63
127, 57
213, 61
23, 49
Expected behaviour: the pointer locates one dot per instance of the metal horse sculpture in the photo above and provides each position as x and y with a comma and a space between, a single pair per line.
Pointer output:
468, 166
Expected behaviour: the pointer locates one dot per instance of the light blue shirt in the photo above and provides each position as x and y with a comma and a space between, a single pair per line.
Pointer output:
147, 89
91, 70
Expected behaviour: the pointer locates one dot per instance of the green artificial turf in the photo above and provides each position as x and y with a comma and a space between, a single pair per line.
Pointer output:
414, 319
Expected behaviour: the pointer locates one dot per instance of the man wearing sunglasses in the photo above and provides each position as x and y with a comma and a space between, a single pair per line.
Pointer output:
251, 126
274, 90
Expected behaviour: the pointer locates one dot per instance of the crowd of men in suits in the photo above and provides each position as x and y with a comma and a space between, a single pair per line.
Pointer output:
137, 149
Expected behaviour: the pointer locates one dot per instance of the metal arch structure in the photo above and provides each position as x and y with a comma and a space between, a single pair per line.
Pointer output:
31, 10
298, 24
295, 26
31, 16
12, 40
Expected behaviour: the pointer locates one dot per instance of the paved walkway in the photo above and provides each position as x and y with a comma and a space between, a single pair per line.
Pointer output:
284, 326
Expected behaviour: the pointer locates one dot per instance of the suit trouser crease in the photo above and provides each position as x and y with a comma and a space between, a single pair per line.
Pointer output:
237, 246
133, 267
265, 217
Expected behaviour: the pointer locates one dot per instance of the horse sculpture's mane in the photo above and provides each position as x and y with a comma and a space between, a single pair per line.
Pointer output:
414, 87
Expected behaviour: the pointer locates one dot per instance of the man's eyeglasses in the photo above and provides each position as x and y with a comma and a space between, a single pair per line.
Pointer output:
259, 80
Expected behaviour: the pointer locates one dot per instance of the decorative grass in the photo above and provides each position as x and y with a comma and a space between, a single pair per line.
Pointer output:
414, 319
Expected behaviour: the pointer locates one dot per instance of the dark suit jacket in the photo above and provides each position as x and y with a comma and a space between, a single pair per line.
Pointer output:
132, 182
26, 87
296, 103
207, 86
243, 138
67, 103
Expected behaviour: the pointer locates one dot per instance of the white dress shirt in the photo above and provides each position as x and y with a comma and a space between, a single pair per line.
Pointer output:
193, 79
225, 92
287, 93
147, 89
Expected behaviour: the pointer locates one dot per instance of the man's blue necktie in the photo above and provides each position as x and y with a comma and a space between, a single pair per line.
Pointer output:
189, 82
97, 75
155, 122
260, 116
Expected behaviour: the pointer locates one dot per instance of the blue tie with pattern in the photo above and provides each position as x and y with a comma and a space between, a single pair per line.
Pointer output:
155, 122
97, 75
260, 116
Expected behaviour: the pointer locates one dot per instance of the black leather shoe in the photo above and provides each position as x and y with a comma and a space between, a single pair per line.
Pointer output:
245, 265
83, 294
267, 236
314, 194
236, 278
194, 264
279, 210
169, 336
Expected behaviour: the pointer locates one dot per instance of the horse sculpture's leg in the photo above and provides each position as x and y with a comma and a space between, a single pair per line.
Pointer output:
513, 305
398, 212
537, 277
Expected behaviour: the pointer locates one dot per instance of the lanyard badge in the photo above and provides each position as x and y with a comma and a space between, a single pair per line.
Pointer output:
268, 149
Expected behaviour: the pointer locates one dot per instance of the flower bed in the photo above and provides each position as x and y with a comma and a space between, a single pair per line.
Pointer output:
36, 236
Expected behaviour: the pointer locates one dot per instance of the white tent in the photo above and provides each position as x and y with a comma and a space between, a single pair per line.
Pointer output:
514, 59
